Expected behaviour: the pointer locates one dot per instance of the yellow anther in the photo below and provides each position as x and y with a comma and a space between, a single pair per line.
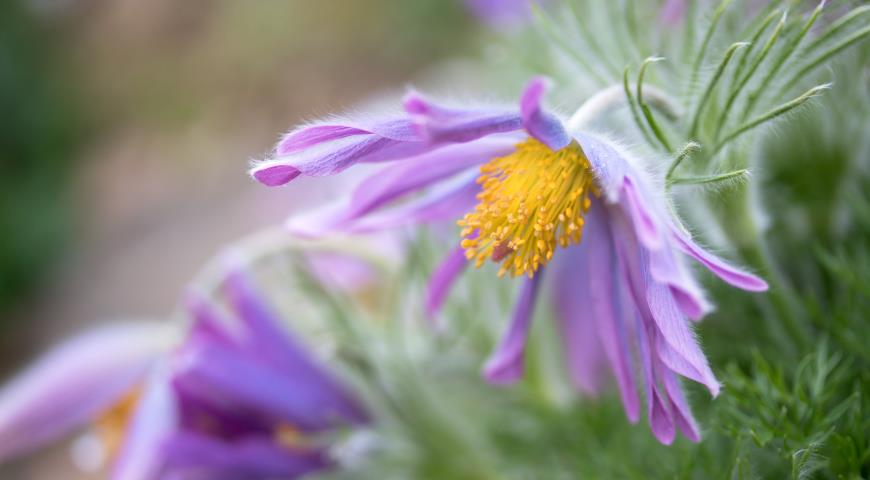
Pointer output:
532, 194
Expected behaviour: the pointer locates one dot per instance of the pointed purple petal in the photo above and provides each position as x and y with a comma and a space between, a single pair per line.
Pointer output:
582, 347
268, 340
679, 349
676, 345
74, 383
660, 419
505, 365
680, 407
540, 124
413, 174
605, 297
443, 279
646, 224
729, 273
196, 456
154, 420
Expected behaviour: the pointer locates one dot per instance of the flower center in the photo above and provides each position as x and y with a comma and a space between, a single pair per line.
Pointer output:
531, 201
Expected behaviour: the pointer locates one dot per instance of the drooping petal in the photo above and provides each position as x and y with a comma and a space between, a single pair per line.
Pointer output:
666, 269
75, 382
414, 174
286, 354
155, 419
443, 203
612, 315
661, 420
189, 455
505, 365
243, 383
680, 407
540, 124
722, 269
439, 124
443, 279
334, 157
678, 347
675, 343
583, 350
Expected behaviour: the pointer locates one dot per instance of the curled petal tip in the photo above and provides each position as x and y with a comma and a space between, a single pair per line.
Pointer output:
274, 175
502, 373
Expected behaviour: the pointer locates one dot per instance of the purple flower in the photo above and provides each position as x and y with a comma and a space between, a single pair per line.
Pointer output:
239, 398
501, 14
523, 189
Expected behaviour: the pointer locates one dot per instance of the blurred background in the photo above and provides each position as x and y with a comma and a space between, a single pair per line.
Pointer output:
126, 131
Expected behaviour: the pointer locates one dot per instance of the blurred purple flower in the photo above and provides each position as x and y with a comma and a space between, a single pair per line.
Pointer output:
521, 187
673, 12
502, 14
240, 398
75, 383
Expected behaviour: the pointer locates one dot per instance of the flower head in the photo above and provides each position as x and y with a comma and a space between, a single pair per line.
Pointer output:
522, 187
238, 398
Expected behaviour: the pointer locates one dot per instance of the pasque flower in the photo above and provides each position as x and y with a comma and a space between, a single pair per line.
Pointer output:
238, 398
539, 201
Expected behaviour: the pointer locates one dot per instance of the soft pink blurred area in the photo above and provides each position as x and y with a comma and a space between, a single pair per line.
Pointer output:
182, 95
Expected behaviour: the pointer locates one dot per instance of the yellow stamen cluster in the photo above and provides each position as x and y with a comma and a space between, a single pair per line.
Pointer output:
531, 201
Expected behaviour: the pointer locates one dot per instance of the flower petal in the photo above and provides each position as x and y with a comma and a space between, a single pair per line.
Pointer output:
413, 174
540, 124
286, 355
153, 422
660, 419
75, 382
189, 454
680, 407
611, 314
505, 365
583, 350
442, 279
729, 273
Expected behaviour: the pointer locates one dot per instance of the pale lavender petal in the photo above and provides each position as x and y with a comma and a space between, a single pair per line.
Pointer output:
605, 297
722, 269
666, 269
447, 202
660, 419
74, 383
443, 279
676, 345
437, 124
505, 365
341, 271
608, 165
441, 204
572, 291
413, 174
680, 407
155, 419
646, 224
334, 157
306, 137
190, 455
540, 124
679, 348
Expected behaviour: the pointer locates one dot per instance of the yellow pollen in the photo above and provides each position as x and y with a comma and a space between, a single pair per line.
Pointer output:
531, 201
111, 426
